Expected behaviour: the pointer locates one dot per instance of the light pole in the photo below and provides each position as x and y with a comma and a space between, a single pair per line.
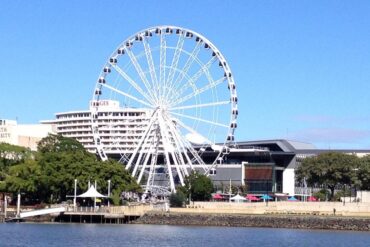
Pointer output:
5, 206
75, 195
189, 191
18, 204
108, 193
95, 198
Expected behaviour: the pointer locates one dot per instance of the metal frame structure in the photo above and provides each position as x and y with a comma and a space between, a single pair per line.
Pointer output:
188, 92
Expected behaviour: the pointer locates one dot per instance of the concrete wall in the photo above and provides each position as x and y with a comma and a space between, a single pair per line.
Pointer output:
313, 208
288, 181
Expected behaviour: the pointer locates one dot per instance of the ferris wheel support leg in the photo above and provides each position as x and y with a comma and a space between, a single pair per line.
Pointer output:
166, 151
140, 143
174, 158
151, 174
168, 143
143, 168
180, 147
141, 153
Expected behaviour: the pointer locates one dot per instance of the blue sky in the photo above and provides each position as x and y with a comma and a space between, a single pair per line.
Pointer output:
302, 68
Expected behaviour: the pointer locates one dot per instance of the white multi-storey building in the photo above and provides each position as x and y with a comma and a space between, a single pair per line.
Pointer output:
119, 128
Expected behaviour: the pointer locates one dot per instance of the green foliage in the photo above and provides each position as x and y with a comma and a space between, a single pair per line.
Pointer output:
177, 200
335, 169
116, 197
322, 194
50, 176
363, 173
341, 193
11, 155
199, 187
58, 143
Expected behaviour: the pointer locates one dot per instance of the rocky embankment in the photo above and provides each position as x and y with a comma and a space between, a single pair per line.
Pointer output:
276, 221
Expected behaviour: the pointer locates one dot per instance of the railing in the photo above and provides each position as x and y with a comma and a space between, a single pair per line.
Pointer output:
124, 210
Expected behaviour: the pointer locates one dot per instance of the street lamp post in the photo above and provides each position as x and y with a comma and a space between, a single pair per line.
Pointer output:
18, 204
75, 195
108, 193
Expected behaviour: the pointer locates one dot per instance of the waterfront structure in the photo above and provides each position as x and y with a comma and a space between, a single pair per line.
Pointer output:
272, 170
25, 135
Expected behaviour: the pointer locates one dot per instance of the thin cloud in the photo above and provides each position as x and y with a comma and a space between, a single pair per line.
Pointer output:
331, 135
326, 119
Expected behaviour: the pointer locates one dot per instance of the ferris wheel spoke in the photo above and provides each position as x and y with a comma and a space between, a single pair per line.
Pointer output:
127, 95
149, 57
190, 147
198, 91
162, 64
175, 61
132, 82
139, 70
188, 128
192, 57
200, 105
194, 153
199, 119
191, 82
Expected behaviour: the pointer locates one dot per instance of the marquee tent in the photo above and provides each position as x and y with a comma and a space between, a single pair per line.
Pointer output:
92, 192
238, 198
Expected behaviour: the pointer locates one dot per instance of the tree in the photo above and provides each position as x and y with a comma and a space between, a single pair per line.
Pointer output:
177, 199
11, 155
198, 186
329, 169
50, 176
363, 173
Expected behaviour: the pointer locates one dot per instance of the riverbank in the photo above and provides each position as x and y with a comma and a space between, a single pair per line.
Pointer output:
242, 220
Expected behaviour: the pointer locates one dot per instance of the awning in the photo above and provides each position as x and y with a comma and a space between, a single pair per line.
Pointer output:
217, 197
92, 192
266, 197
292, 198
312, 199
252, 198
237, 198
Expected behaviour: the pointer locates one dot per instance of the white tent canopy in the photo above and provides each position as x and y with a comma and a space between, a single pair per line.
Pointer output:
238, 198
92, 192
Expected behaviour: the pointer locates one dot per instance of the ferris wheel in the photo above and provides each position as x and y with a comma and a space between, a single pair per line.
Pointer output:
177, 106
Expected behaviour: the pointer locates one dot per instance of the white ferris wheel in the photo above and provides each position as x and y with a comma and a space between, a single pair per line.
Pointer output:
178, 106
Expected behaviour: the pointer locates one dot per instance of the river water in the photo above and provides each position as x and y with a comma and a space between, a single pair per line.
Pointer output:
25, 234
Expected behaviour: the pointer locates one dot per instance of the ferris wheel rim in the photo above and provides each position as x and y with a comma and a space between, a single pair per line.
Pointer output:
218, 55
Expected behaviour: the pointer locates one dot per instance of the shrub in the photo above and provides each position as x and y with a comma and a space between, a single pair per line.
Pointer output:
177, 200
